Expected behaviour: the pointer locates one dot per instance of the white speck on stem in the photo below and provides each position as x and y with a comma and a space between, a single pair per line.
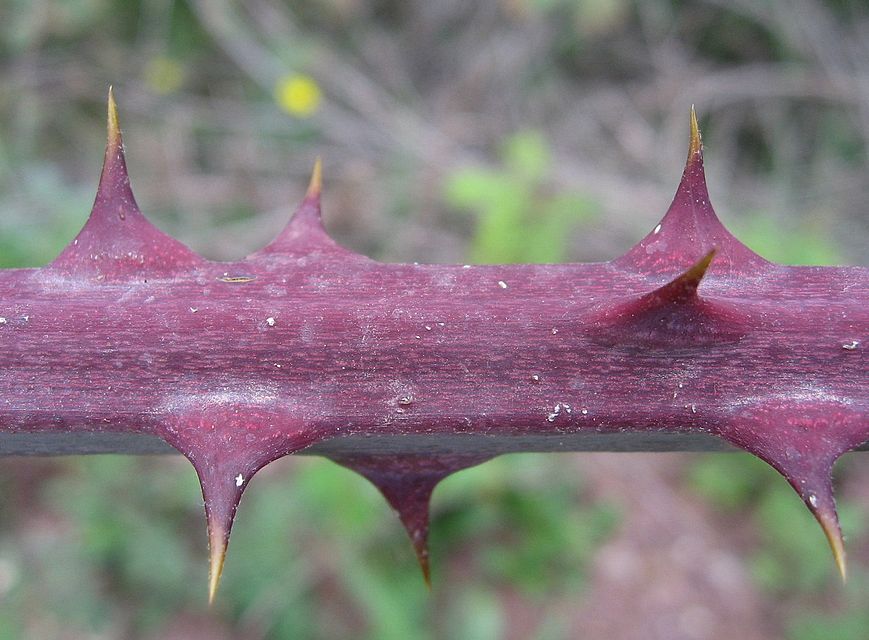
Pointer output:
270, 321
657, 229
557, 409
239, 480
813, 500
851, 346
554, 331
428, 327
502, 284
193, 309
584, 411
535, 377
3, 320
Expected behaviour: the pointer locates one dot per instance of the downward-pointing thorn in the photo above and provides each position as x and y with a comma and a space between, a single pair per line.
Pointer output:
217, 543
696, 145
830, 525
315, 186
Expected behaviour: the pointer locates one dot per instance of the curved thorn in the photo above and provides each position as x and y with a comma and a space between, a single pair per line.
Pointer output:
802, 441
832, 530
684, 287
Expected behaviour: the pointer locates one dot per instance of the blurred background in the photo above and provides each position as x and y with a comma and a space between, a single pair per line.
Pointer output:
512, 130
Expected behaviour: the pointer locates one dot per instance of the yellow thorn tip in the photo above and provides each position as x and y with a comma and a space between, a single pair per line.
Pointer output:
422, 558
113, 126
315, 186
696, 145
699, 269
831, 529
217, 553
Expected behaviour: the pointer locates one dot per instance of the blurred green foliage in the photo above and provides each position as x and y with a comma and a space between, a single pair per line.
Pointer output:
791, 557
315, 553
519, 218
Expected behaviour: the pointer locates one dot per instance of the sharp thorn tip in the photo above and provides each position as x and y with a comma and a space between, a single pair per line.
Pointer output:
696, 145
217, 556
113, 126
830, 525
315, 186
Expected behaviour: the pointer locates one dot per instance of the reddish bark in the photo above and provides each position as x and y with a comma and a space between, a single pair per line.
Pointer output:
237, 364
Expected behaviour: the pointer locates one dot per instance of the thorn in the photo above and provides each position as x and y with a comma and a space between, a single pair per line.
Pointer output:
315, 186
126, 244
829, 521
690, 222
217, 543
830, 525
684, 287
422, 559
802, 442
672, 315
407, 483
112, 125
696, 145
305, 233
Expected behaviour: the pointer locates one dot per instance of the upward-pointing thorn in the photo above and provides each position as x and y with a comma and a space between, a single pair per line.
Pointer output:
305, 233
114, 128
315, 186
696, 145
117, 241
690, 222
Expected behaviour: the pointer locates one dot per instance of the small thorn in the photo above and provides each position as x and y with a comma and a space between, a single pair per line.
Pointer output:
696, 145
315, 186
684, 287
407, 483
113, 126
830, 525
217, 543
422, 559
305, 233
688, 282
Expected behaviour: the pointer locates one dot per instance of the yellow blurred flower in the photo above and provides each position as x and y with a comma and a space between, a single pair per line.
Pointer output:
164, 75
298, 94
